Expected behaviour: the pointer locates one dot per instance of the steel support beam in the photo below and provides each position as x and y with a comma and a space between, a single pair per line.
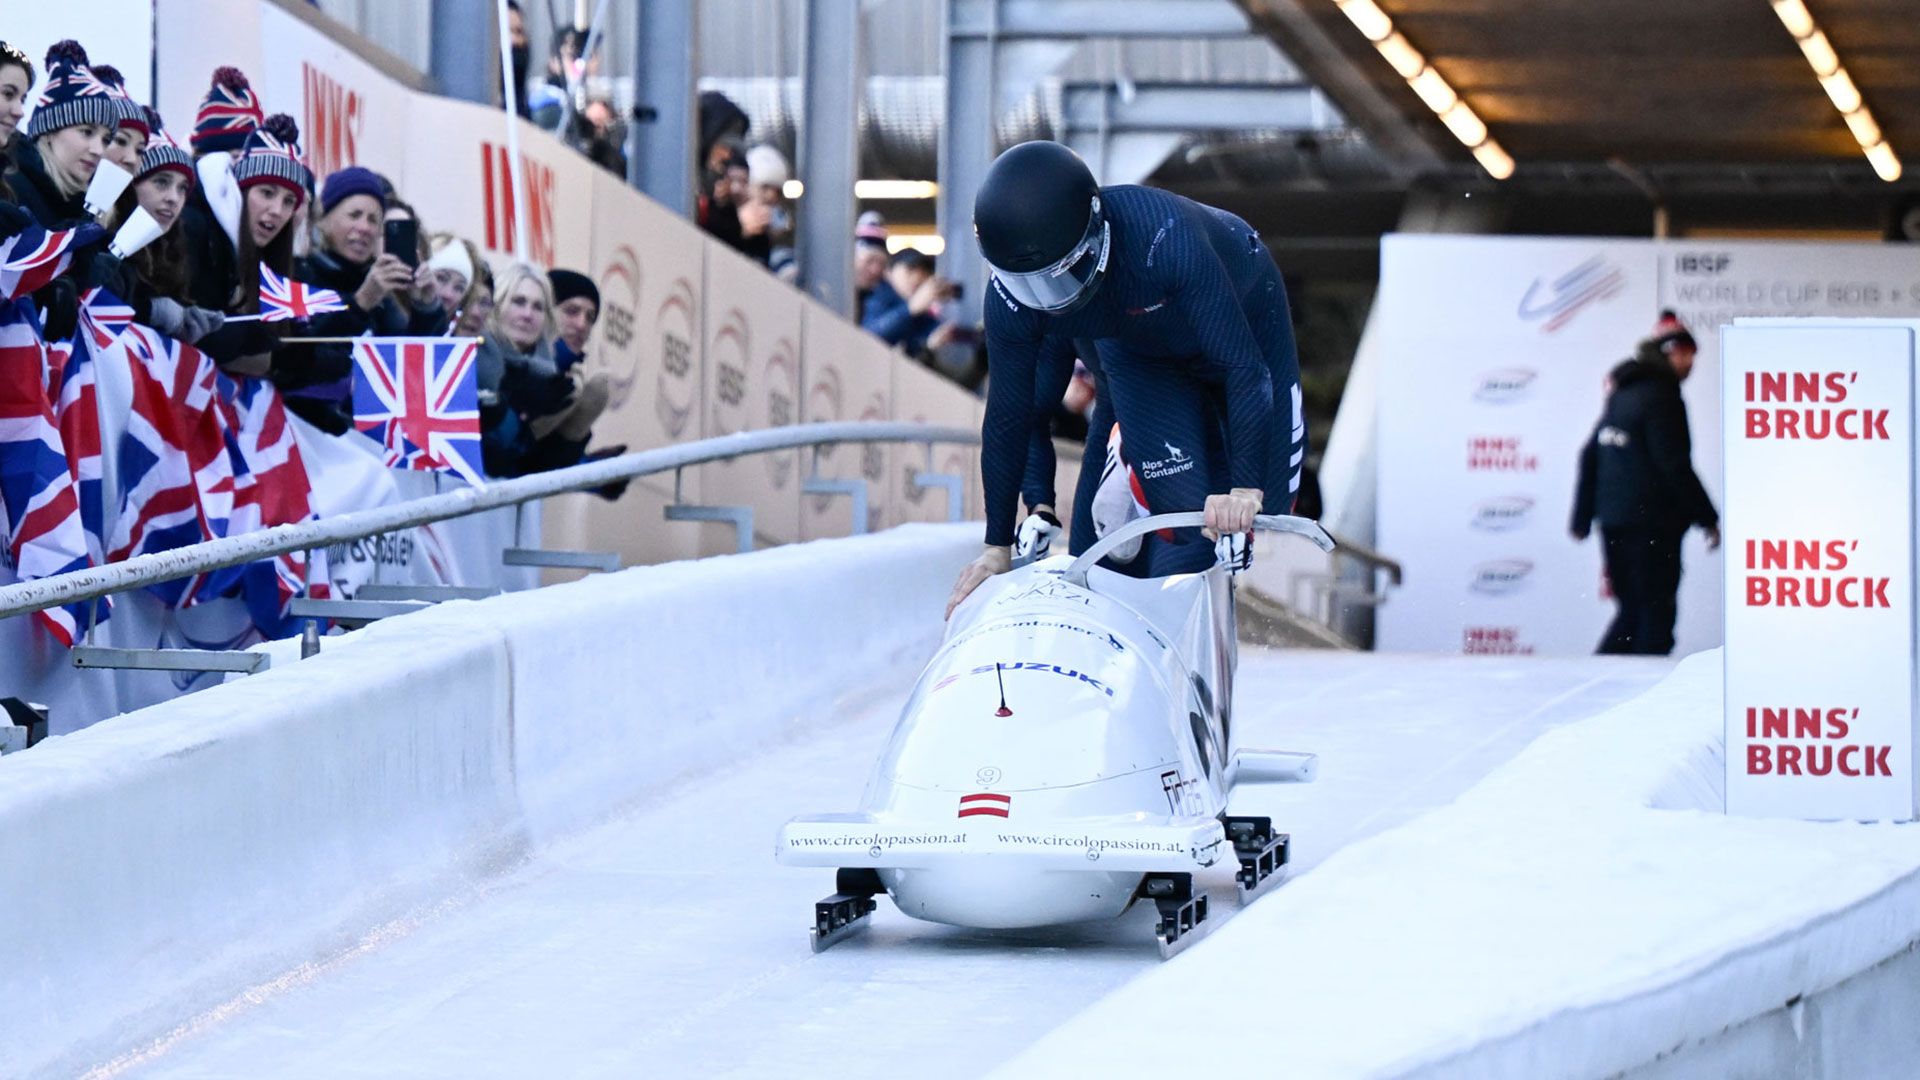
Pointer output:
830, 150
661, 140
463, 54
1184, 107
1124, 131
1076, 19
966, 146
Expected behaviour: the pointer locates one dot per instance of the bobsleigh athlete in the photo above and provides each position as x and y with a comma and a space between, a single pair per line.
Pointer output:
1196, 358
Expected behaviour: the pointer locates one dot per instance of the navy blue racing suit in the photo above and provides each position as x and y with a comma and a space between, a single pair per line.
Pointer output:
1196, 360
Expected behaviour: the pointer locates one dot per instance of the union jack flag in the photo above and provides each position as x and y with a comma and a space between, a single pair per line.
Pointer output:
42, 510
72, 386
419, 398
34, 256
271, 487
176, 471
283, 298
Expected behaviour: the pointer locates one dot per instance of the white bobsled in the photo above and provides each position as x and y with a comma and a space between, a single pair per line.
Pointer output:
1065, 752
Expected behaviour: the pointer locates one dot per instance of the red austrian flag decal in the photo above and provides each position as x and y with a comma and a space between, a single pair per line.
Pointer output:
985, 804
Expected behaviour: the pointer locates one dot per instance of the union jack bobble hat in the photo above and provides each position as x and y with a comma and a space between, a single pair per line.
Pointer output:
271, 155
162, 151
73, 94
132, 113
228, 114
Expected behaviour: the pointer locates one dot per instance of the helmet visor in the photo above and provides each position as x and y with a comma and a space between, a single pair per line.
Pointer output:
1065, 283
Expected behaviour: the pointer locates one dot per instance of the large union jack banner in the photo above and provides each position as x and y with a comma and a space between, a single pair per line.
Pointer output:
419, 398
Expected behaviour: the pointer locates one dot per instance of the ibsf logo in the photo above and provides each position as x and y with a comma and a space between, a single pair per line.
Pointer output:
333, 118
783, 386
616, 345
1702, 263
1501, 577
823, 403
1505, 386
503, 215
728, 355
1554, 304
1503, 514
674, 388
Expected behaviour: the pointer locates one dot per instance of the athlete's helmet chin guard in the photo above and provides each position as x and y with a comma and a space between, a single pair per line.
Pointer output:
1040, 227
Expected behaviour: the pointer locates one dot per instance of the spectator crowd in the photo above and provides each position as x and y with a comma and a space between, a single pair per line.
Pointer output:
239, 198
187, 242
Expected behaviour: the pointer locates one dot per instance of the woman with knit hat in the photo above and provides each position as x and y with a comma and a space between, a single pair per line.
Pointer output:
225, 272
385, 295
154, 279
131, 133
66, 139
348, 257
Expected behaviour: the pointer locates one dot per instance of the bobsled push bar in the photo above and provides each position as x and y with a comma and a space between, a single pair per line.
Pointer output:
1286, 523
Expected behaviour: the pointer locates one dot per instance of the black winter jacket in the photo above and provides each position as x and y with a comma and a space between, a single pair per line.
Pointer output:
1636, 470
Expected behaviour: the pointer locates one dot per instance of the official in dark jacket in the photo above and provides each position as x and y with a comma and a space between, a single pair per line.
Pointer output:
1637, 481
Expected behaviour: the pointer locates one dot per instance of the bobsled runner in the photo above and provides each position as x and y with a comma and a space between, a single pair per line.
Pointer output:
1067, 752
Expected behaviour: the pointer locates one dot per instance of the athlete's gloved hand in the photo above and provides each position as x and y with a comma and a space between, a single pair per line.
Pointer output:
1232, 512
1036, 535
994, 560
1235, 551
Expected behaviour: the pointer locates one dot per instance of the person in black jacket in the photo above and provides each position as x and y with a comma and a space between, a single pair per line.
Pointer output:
1637, 481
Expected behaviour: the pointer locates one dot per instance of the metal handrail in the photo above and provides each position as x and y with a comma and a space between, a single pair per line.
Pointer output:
1186, 519
78, 585
1361, 553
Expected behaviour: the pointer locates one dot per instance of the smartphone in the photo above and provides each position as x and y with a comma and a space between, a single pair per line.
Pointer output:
403, 240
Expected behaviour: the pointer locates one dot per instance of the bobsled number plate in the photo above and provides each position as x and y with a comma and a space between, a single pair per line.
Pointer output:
1106, 844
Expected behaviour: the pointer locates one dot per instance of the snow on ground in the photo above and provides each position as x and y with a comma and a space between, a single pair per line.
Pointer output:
1573, 915
667, 940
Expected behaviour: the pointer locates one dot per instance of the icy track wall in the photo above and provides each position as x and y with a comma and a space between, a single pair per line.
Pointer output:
151, 864
1586, 911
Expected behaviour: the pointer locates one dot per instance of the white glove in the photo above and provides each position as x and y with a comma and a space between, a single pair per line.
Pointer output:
1235, 551
1036, 537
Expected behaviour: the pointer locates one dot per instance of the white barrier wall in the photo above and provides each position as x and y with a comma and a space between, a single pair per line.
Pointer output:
151, 864
1491, 352
1585, 911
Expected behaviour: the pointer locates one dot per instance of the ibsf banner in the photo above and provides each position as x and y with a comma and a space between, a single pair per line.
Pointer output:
1820, 632
1494, 357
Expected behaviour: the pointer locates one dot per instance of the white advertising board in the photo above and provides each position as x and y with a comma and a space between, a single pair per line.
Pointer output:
1820, 632
923, 397
1492, 353
847, 375
752, 382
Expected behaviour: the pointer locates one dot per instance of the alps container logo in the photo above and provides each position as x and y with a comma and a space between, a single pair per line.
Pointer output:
1505, 386
1503, 514
1501, 577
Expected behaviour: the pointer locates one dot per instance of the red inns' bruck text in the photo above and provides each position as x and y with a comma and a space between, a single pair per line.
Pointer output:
1813, 391
1497, 453
1825, 587
1812, 747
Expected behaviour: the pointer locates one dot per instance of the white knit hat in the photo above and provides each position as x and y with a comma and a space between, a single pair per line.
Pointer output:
768, 166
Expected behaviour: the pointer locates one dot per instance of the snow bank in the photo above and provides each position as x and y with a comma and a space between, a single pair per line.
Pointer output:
1581, 912
152, 864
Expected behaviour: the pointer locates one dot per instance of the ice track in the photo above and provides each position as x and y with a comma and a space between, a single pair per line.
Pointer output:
666, 941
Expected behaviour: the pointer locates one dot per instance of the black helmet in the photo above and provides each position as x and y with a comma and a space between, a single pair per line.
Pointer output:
1037, 218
